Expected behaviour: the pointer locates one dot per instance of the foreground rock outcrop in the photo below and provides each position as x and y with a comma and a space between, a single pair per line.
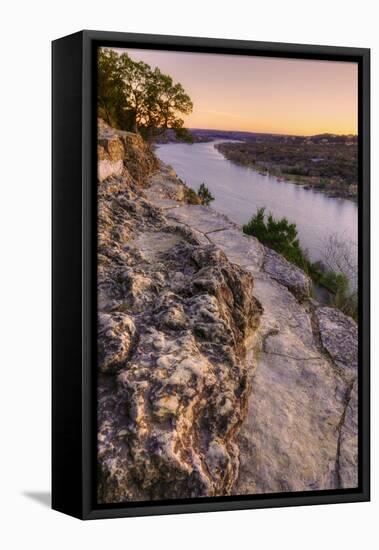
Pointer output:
175, 321
218, 374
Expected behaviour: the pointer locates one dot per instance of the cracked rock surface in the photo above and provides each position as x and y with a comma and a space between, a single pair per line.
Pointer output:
287, 274
217, 374
339, 336
175, 321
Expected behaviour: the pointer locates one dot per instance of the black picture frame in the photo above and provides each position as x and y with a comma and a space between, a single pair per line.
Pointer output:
74, 273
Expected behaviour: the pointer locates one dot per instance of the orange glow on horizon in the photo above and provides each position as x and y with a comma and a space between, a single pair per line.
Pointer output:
262, 94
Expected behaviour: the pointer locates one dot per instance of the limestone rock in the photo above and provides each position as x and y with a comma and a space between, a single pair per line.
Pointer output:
118, 150
348, 450
217, 374
181, 395
110, 155
287, 274
241, 249
202, 218
175, 317
339, 336
290, 439
165, 190
115, 337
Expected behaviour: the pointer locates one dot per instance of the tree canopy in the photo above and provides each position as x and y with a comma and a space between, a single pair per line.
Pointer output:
132, 96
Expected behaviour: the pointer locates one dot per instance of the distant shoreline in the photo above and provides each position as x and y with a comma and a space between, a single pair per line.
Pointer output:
331, 187
210, 134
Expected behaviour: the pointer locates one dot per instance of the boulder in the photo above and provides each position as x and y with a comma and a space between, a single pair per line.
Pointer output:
114, 339
287, 274
339, 336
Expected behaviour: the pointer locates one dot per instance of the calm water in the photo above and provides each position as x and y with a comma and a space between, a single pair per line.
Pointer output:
239, 191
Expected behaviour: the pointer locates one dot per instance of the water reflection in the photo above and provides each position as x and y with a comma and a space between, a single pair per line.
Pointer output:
239, 191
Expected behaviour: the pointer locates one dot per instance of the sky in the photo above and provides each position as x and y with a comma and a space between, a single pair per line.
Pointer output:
263, 94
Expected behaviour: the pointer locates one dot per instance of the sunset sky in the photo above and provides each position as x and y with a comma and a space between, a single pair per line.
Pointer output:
262, 94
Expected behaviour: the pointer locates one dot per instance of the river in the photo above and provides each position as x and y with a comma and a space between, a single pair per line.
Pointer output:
239, 191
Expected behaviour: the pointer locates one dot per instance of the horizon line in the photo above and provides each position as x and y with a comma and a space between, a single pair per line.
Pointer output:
272, 133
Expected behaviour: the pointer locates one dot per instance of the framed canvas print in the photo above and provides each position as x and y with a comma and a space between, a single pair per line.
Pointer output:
210, 274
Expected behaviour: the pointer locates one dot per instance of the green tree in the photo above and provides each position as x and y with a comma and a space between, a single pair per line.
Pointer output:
136, 78
165, 99
135, 97
110, 86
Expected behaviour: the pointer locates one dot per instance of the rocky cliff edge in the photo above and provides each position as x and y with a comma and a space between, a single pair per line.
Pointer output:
218, 374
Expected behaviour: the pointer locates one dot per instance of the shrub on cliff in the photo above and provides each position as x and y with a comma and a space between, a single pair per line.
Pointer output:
190, 196
201, 196
205, 195
280, 235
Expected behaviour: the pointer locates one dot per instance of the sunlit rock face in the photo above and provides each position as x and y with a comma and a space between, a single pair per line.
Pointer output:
121, 153
217, 374
175, 318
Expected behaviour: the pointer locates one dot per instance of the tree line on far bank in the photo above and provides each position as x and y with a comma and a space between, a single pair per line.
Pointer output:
133, 96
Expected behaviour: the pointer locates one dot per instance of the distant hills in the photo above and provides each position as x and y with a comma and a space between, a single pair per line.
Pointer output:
205, 135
